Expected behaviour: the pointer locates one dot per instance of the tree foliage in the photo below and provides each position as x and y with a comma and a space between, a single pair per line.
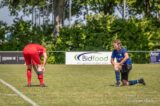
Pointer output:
100, 31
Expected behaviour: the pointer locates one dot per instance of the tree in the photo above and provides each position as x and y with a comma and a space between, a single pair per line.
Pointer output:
105, 6
58, 15
149, 8
17, 5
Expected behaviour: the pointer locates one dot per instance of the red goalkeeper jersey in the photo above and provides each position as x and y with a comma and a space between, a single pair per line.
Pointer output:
32, 53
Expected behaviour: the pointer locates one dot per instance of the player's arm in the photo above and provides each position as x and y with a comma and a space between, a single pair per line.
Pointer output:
44, 61
116, 66
35, 69
44, 58
112, 58
112, 61
126, 56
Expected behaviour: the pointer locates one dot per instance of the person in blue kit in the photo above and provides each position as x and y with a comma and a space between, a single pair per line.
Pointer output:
123, 65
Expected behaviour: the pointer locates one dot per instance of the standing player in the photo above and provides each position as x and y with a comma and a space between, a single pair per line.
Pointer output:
32, 54
123, 65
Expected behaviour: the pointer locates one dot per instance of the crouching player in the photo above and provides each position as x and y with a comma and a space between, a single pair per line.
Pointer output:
123, 65
32, 54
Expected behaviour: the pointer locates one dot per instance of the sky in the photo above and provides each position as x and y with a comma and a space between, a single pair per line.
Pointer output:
5, 16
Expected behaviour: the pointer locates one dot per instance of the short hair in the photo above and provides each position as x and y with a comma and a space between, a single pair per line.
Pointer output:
117, 41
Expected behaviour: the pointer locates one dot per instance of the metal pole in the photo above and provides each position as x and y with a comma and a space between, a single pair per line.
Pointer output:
39, 16
35, 15
124, 9
70, 10
32, 16
52, 11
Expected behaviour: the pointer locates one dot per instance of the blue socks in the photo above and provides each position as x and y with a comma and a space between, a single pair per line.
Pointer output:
133, 82
117, 76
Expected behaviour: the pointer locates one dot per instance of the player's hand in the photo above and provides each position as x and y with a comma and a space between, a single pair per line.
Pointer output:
43, 68
117, 66
120, 64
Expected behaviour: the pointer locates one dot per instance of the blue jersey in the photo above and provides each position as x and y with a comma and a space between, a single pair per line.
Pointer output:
119, 55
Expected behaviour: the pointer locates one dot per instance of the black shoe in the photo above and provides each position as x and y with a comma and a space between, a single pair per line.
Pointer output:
118, 84
141, 81
43, 85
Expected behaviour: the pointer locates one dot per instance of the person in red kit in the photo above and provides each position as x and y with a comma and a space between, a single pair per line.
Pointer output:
32, 54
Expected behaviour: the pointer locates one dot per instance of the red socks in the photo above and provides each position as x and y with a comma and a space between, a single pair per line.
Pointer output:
40, 77
29, 76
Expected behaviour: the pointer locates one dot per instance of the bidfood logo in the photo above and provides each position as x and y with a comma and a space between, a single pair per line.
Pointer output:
91, 57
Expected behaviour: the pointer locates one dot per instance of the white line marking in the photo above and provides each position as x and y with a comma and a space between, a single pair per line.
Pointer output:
19, 93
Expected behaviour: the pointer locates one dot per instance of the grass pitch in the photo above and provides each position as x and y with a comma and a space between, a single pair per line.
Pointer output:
81, 86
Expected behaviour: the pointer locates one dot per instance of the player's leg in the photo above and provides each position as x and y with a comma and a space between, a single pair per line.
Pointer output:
140, 81
133, 82
35, 69
41, 75
117, 69
29, 74
27, 58
124, 78
38, 68
125, 73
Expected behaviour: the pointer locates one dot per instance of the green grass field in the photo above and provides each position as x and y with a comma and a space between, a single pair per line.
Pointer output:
81, 86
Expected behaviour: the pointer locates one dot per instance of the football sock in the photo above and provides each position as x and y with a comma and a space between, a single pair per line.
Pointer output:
117, 73
133, 82
40, 77
29, 75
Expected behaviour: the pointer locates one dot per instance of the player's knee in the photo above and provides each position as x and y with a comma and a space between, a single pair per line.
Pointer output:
39, 72
29, 67
116, 67
125, 82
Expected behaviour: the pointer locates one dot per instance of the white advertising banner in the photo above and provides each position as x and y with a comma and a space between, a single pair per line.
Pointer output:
87, 58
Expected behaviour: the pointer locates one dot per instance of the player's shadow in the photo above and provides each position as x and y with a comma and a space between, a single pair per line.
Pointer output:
34, 86
111, 84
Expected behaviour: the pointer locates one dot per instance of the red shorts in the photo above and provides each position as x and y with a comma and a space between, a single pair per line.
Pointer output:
31, 58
